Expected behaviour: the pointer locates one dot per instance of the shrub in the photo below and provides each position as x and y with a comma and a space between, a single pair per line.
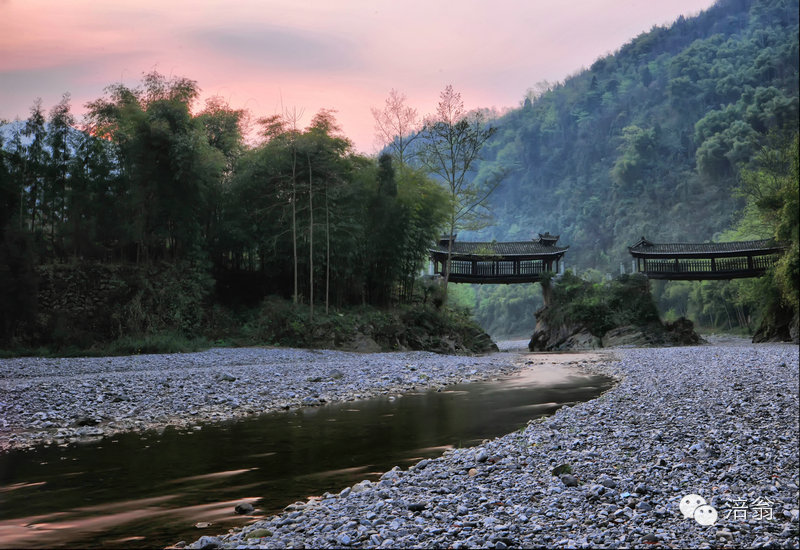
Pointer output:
602, 306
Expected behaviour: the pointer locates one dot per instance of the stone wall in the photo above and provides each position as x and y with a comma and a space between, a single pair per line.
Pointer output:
82, 301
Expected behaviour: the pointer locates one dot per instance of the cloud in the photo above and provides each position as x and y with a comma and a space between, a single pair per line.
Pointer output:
85, 80
279, 48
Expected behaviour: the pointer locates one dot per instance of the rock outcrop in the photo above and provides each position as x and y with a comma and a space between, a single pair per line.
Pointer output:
620, 313
578, 337
780, 324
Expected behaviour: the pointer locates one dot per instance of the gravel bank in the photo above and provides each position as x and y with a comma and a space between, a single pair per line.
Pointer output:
717, 421
47, 400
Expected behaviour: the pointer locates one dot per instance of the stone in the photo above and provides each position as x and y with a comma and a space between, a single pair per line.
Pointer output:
569, 480
627, 336
258, 534
365, 344
207, 543
606, 481
561, 469
724, 534
244, 508
422, 464
582, 340
86, 421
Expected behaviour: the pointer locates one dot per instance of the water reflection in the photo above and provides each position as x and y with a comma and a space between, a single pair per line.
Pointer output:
154, 489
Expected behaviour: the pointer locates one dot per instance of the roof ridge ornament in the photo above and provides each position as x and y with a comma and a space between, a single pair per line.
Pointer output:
547, 239
444, 240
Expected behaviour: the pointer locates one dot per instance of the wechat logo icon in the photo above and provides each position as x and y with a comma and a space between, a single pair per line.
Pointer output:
696, 507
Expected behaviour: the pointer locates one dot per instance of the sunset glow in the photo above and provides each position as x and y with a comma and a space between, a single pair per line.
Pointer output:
266, 56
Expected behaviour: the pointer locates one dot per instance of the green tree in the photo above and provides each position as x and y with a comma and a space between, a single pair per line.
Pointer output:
383, 215
166, 160
95, 200
36, 160
18, 281
773, 188
59, 137
452, 140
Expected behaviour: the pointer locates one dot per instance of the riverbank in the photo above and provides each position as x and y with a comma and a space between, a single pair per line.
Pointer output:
58, 400
717, 421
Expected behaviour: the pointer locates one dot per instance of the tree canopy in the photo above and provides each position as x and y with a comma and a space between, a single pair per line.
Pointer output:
653, 139
151, 178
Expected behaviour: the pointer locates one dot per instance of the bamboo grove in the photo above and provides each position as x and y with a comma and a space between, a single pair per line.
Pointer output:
148, 178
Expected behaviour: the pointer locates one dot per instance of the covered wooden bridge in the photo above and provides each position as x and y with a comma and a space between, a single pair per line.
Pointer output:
705, 261
498, 263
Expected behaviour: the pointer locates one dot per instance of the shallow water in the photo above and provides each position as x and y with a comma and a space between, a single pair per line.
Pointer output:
153, 489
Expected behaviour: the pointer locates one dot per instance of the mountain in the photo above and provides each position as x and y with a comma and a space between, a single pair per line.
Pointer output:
649, 141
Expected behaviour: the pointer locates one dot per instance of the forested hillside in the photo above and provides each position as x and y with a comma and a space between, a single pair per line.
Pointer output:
652, 139
152, 215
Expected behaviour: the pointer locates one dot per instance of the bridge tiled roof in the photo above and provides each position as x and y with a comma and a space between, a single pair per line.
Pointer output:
523, 248
645, 247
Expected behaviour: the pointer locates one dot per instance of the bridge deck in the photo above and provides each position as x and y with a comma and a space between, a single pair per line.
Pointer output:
498, 262
705, 261
497, 271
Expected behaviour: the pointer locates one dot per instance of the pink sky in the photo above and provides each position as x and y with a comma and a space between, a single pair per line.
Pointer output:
269, 55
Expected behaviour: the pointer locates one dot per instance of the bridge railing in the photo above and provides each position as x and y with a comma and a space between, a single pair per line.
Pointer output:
764, 262
708, 265
497, 268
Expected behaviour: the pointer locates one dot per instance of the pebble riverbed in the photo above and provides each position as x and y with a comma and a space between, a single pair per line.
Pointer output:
716, 421
79, 399
719, 421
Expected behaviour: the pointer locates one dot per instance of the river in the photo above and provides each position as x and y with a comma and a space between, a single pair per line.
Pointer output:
155, 488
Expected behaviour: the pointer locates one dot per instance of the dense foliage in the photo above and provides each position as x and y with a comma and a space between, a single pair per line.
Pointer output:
768, 305
152, 182
600, 307
686, 134
653, 140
